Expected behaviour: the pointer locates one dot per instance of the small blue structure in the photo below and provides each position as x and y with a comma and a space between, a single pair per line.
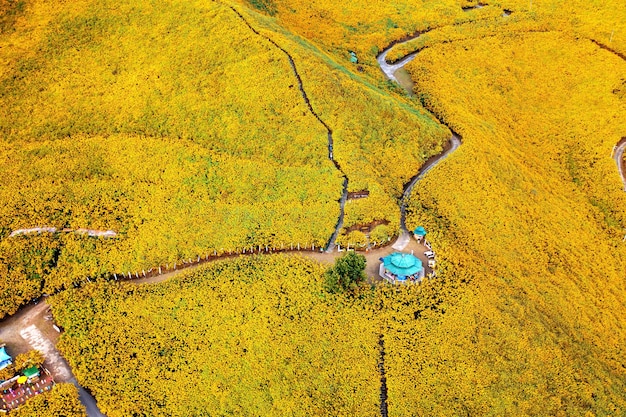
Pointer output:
5, 358
401, 267
419, 231
353, 58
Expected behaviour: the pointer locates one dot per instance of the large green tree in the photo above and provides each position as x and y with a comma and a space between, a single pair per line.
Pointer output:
347, 273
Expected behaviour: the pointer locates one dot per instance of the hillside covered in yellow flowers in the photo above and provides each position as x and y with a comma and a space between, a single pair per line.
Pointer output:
214, 126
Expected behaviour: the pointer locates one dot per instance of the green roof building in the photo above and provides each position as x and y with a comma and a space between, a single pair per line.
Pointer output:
31, 372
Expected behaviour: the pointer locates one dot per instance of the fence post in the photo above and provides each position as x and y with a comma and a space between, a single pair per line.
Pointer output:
115, 275
298, 245
174, 265
159, 269
144, 272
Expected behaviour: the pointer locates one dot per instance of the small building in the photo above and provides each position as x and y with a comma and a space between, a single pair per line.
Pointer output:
399, 268
5, 358
419, 233
31, 373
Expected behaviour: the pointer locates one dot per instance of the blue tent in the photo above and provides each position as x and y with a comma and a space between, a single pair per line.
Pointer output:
402, 264
420, 231
5, 359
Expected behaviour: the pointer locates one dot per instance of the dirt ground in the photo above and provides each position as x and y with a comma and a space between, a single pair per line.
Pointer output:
32, 328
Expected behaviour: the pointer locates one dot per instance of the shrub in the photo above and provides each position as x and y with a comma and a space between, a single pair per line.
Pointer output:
347, 273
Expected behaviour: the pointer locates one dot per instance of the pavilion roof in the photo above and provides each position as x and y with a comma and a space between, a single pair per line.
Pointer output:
402, 264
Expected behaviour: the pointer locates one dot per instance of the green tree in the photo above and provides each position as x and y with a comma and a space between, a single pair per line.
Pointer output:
347, 273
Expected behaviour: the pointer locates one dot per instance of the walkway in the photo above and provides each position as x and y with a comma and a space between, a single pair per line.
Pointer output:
33, 328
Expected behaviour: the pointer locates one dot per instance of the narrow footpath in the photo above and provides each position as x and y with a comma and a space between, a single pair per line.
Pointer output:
330, 245
383, 378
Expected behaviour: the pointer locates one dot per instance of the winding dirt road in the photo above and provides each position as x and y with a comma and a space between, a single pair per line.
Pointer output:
453, 144
390, 69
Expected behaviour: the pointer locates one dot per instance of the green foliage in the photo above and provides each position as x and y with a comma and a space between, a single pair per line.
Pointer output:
7, 373
266, 6
381, 234
28, 359
10, 10
355, 239
346, 275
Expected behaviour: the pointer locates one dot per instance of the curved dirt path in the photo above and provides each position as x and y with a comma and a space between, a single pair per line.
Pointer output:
453, 144
390, 69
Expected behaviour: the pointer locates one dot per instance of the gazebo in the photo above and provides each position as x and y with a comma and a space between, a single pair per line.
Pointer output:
401, 267
5, 359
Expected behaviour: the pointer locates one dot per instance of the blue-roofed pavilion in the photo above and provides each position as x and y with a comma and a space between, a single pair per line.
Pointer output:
401, 267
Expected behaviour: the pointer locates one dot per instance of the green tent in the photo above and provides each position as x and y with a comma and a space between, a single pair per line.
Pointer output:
31, 372
402, 264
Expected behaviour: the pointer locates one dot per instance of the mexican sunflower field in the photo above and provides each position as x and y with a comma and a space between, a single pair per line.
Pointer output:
214, 126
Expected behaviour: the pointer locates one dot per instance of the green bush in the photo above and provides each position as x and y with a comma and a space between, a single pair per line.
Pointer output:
347, 273
381, 234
